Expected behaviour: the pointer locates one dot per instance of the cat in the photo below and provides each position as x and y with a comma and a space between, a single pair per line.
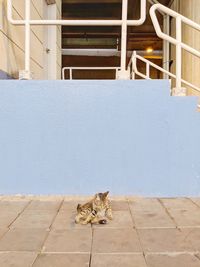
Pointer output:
96, 211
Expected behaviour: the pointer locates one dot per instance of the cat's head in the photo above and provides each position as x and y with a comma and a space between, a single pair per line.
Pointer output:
101, 198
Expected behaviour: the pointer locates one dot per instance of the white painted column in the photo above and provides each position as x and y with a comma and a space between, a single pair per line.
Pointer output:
50, 57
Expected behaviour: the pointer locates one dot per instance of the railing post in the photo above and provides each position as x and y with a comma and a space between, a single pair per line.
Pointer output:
179, 90
166, 56
134, 59
147, 70
70, 74
26, 73
124, 73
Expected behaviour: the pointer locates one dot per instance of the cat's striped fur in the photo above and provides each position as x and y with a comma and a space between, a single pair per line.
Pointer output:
96, 211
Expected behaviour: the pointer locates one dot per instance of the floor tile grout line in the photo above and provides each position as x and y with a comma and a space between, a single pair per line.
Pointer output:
193, 202
20, 213
39, 252
196, 255
90, 260
142, 250
168, 213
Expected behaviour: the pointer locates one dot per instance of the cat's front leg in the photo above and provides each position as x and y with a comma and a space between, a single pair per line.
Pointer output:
91, 216
109, 214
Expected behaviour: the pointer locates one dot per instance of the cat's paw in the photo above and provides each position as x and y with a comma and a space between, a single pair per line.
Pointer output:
109, 216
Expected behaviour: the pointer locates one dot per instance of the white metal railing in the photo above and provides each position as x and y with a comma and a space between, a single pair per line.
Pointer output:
70, 70
124, 23
177, 41
147, 74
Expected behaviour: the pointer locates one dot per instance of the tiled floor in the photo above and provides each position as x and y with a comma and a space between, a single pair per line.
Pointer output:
145, 232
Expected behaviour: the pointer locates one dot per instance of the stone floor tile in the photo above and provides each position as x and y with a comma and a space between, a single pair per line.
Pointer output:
74, 240
13, 206
17, 259
119, 205
62, 260
186, 218
23, 240
178, 203
146, 204
183, 260
115, 240
118, 260
34, 220
44, 205
154, 219
192, 235
121, 219
164, 240
7, 217
65, 219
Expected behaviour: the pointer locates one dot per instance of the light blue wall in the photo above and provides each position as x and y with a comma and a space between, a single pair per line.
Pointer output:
79, 137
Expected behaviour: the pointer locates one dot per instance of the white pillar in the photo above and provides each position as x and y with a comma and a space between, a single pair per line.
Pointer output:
50, 57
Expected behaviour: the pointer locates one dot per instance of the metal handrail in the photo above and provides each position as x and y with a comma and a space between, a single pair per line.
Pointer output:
135, 71
124, 22
177, 41
70, 69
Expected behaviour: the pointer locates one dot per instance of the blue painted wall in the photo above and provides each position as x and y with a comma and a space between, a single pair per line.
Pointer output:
79, 137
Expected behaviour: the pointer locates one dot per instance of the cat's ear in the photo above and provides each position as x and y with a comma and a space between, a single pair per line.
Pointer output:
105, 194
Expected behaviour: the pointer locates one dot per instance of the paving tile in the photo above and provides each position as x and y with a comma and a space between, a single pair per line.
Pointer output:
34, 220
164, 240
17, 259
192, 236
65, 219
118, 260
178, 204
115, 240
44, 205
183, 260
186, 218
145, 204
13, 206
62, 260
154, 219
119, 205
74, 240
23, 240
7, 218
121, 219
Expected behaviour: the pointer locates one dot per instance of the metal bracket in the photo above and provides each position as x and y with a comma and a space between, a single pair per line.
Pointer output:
123, 75
179, 91
25, 75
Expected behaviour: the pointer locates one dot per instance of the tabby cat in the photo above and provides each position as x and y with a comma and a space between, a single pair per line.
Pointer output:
96, 211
